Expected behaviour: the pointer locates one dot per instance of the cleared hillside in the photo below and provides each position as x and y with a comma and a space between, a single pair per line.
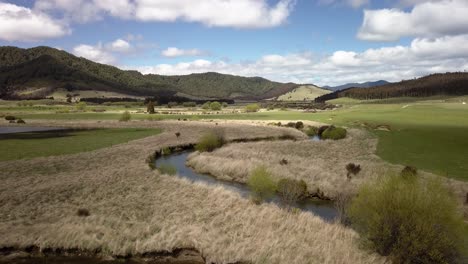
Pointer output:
303, 93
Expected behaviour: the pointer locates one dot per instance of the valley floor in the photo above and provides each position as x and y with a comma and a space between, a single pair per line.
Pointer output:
135, 210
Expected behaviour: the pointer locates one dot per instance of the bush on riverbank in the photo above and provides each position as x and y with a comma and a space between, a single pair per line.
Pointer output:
210, 142
261, 184
312, 131
292, 191
412, 221
334, 133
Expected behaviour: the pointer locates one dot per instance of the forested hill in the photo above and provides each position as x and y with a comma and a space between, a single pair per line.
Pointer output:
52, 68
434, 84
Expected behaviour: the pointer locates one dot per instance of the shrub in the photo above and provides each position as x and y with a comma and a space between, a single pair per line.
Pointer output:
299, 125
166, 151
334, 133
150, 107
189, 104
81, 106
177, 134
10, 118
224, 104
20, 121
321, 130
172, 104
83, 212
292, 191
312, 131
411, 221
353, 169
291, 124
206, 106
250, 108
215, 106
261, 184
210, 142
167, 169
125, 117
409, 172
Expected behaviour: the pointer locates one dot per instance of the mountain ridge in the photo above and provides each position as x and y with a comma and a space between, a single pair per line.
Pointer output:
48, 67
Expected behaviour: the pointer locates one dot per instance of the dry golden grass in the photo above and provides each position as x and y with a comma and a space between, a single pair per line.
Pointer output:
133, 209
321, 164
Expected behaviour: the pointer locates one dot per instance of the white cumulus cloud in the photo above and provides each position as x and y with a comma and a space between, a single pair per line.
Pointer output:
19, 23
426, 19
120, 45
95, 53
216, 13
172, 52
394, 63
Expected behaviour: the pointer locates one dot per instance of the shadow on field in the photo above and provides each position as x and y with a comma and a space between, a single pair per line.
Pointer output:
43, 134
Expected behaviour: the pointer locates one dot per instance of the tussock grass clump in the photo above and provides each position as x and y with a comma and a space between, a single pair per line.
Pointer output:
292, 191
412, 221
261, 183
125, 117
312, 131
83, 212
352, 169
409, 172
166, 151
210, 142
334, 133
167, 169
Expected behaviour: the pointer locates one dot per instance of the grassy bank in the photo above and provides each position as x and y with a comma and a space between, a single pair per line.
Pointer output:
54, 143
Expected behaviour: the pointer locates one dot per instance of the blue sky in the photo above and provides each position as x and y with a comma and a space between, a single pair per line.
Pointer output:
326, 42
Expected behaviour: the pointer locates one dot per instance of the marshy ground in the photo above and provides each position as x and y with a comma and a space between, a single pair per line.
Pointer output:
133, 210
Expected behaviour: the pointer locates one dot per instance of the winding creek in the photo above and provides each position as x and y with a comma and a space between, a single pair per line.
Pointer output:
323, 209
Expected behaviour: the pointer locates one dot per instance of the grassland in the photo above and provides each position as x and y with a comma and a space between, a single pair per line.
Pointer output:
54, 143
135, 210
429, 134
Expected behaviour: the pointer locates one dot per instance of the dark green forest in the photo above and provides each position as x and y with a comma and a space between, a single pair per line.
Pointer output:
453, 84
53, 68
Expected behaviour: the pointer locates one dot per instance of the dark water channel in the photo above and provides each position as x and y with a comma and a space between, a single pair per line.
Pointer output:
321, 208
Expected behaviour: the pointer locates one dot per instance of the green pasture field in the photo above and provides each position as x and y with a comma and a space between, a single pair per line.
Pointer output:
430, 134
53, 143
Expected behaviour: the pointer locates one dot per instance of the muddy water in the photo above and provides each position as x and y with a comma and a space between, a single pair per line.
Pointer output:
323, 209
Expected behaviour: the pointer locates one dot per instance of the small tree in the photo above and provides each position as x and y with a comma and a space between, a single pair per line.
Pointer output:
125, 117
215, 106
206, 106
292, 191
250, 108
261, 184
150, 107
